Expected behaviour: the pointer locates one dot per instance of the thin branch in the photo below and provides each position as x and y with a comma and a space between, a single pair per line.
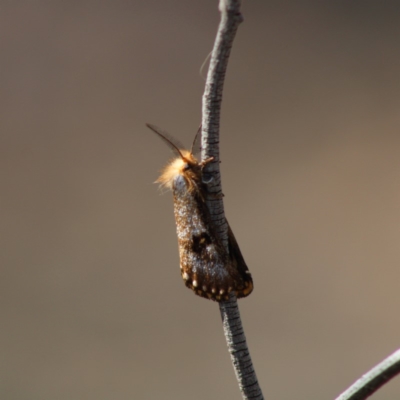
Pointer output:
212, 98
373, 379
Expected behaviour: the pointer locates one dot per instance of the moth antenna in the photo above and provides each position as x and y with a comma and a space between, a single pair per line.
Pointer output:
204, 64
171, 142
195, 145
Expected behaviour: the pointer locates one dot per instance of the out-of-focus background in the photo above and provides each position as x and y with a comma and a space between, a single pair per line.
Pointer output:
92, 303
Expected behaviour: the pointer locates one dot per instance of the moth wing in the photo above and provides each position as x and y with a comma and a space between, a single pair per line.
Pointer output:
211, 272
237, 261
207, 268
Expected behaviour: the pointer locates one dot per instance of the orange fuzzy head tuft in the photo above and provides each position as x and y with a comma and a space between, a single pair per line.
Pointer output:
186, 166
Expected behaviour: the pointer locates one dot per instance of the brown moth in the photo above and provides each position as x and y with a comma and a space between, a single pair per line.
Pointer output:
206, 267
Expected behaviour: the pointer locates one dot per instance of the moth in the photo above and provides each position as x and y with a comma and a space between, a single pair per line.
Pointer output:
206, 266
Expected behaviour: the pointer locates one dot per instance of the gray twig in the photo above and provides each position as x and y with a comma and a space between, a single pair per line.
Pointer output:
233, 329
373, 379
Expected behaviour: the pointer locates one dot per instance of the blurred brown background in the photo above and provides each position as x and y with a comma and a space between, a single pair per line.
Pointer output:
92, 302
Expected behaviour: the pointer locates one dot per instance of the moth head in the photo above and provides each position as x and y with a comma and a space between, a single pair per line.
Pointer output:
184, 165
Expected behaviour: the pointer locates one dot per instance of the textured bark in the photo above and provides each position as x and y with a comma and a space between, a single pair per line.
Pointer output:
233, 329
374, 379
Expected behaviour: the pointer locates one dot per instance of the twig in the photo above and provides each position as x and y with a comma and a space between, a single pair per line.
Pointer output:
374, 379
233, 329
